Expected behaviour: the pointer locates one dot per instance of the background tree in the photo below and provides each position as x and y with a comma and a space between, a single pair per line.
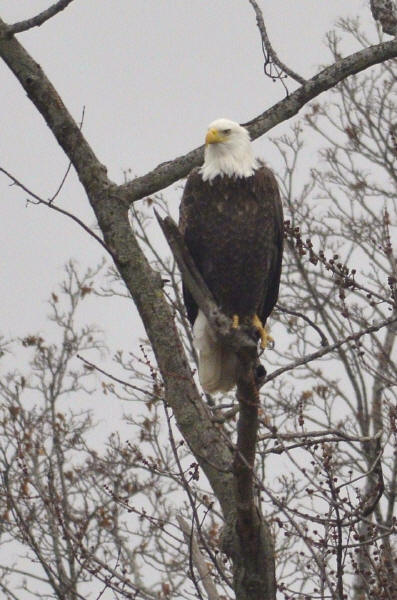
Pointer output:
326, 520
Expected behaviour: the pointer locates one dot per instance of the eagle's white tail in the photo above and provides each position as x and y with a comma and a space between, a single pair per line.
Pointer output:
217, 364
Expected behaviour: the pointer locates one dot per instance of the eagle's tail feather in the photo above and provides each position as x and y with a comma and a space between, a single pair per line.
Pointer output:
217, 364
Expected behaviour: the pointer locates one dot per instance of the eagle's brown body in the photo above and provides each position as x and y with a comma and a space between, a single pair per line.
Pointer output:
233, 228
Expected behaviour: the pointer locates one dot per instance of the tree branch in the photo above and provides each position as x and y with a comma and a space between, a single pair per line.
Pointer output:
110, 204
198, 559
351, 338
92, 172
252, 544
271, 53
169, 172
49, 204
288, 311
39, 19
254, 562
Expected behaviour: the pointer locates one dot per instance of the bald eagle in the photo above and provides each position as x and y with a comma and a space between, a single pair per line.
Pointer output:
232, 222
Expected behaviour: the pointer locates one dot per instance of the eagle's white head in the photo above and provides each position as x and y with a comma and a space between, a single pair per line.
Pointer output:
228, 151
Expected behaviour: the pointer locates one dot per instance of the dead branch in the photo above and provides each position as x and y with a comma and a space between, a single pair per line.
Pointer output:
49, 204
310, 357
271, 53
39, 19
198, 559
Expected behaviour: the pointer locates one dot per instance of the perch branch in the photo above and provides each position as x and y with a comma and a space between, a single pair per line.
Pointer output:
237, 339
249, 532
167, 173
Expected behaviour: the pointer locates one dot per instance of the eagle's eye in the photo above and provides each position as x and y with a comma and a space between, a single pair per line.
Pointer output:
226, 131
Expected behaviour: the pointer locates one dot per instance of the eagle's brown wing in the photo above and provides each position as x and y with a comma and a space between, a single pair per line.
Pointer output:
233, 228
267, 187
186, 212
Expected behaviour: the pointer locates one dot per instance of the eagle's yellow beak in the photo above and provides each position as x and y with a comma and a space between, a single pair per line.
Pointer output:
213, 137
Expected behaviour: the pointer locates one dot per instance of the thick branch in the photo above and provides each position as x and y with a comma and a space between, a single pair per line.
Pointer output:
110, 205
87, 165
252, 546
254, 573
169, 172
39, 19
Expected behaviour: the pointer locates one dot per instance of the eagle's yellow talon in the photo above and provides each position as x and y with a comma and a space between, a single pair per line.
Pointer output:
266, 339
235, 321
269, 341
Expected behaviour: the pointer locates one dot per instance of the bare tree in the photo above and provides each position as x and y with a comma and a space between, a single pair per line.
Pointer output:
325, 422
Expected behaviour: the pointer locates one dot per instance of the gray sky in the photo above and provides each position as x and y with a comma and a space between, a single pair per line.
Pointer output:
151, 74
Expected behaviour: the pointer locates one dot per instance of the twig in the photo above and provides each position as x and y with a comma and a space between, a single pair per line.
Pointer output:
343, 437
126, 384
192, 501
339, 535
51, 200
39, 19
49, 204
305, 444
268, 48
310, 357
324, 340
108, 580
345, 277
189, 493
198, 559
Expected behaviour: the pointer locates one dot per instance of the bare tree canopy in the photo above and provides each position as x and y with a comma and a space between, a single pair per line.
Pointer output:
285, 489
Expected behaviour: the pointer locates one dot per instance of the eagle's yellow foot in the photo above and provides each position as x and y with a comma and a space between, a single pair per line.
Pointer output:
235, 321
266, 339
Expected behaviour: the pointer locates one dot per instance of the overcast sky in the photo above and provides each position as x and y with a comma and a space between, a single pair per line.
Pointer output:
151, 75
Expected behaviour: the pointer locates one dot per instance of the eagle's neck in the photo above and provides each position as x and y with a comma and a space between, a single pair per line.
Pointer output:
230, 159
